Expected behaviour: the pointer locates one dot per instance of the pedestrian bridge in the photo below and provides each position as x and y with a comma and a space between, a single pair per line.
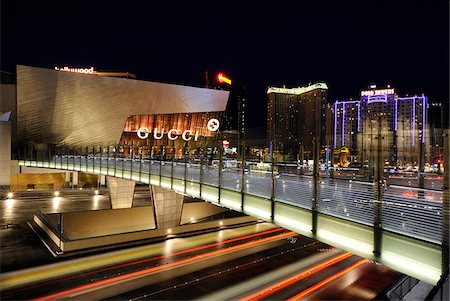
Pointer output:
409, 239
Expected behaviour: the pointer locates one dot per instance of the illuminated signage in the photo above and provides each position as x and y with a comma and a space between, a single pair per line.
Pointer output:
223, 79
377, 92
173, 134
76, 70
213, 125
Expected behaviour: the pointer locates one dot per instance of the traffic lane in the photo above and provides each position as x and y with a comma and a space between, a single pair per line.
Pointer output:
364, 280
27, 277
92, 276
220, 274
124, 283
285, 292
363, 283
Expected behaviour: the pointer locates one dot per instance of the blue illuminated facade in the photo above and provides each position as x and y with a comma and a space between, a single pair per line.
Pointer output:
400, 121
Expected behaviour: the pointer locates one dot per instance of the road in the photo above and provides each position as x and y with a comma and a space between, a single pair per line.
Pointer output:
228, 264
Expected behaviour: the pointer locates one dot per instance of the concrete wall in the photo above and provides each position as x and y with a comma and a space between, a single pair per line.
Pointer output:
169, 206
5, 152
199, 210
121, 192
38, 180
80, 244
87, 224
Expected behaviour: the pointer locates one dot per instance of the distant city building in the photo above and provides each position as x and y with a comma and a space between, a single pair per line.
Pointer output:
295, 117
401, 122
233, 119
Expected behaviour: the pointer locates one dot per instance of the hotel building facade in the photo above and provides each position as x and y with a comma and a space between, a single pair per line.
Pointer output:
401, 122
296, 117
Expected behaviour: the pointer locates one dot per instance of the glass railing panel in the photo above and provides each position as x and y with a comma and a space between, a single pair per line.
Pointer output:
413, 212
346, 199
193, 170
294, 189
231, 178
210, 174
179, 169
166, 168
258, 182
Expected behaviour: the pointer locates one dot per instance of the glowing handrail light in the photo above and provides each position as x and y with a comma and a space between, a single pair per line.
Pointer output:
223, 79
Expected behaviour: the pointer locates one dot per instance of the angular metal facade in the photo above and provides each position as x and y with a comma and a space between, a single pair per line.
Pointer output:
73, 109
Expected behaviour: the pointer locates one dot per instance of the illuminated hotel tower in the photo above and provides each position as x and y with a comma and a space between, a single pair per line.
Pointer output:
401, 122
294, 117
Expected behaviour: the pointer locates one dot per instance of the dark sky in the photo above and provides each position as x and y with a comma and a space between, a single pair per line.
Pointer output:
348, 44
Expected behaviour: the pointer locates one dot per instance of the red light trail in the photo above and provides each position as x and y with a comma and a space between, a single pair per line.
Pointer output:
162, 267
291, 280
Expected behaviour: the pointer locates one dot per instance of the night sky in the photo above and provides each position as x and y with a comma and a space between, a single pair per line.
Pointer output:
346, 44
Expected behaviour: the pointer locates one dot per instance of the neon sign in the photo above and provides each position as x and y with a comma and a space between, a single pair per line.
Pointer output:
173, 134
76, 70
377, 92
223, 79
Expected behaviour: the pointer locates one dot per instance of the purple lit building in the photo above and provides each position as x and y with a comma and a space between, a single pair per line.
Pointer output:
400, 121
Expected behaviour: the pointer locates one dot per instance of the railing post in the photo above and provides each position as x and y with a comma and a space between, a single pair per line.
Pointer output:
151, 160
160, 164
201, 172
115, 159
242, 174
378, 199
220, 167
315, 186
185, 167
446, 204
131, 163
140, 164
107, 163
272, 183
171, 167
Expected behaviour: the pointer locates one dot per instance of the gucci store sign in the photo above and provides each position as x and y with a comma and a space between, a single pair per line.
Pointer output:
173, 134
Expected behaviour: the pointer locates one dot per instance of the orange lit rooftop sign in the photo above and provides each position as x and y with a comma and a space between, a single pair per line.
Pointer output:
94, 72
76, 70
223, 79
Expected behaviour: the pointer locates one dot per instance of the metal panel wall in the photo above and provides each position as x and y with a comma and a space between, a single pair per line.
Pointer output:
82, 110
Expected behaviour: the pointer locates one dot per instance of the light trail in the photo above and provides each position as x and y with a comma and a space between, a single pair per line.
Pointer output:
291, 280
326, 281
33, 275
147, 260
141, 273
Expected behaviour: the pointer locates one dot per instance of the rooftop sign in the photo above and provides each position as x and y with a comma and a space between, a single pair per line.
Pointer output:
299, 90
76, 70
377, 92
223, 79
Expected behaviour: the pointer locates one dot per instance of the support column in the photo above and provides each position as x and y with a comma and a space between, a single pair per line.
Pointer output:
68, 182
102, 180
75, 179
446, 204
168, 206
121, 192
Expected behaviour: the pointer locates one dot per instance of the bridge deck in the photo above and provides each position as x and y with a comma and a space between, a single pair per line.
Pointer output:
412, 219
